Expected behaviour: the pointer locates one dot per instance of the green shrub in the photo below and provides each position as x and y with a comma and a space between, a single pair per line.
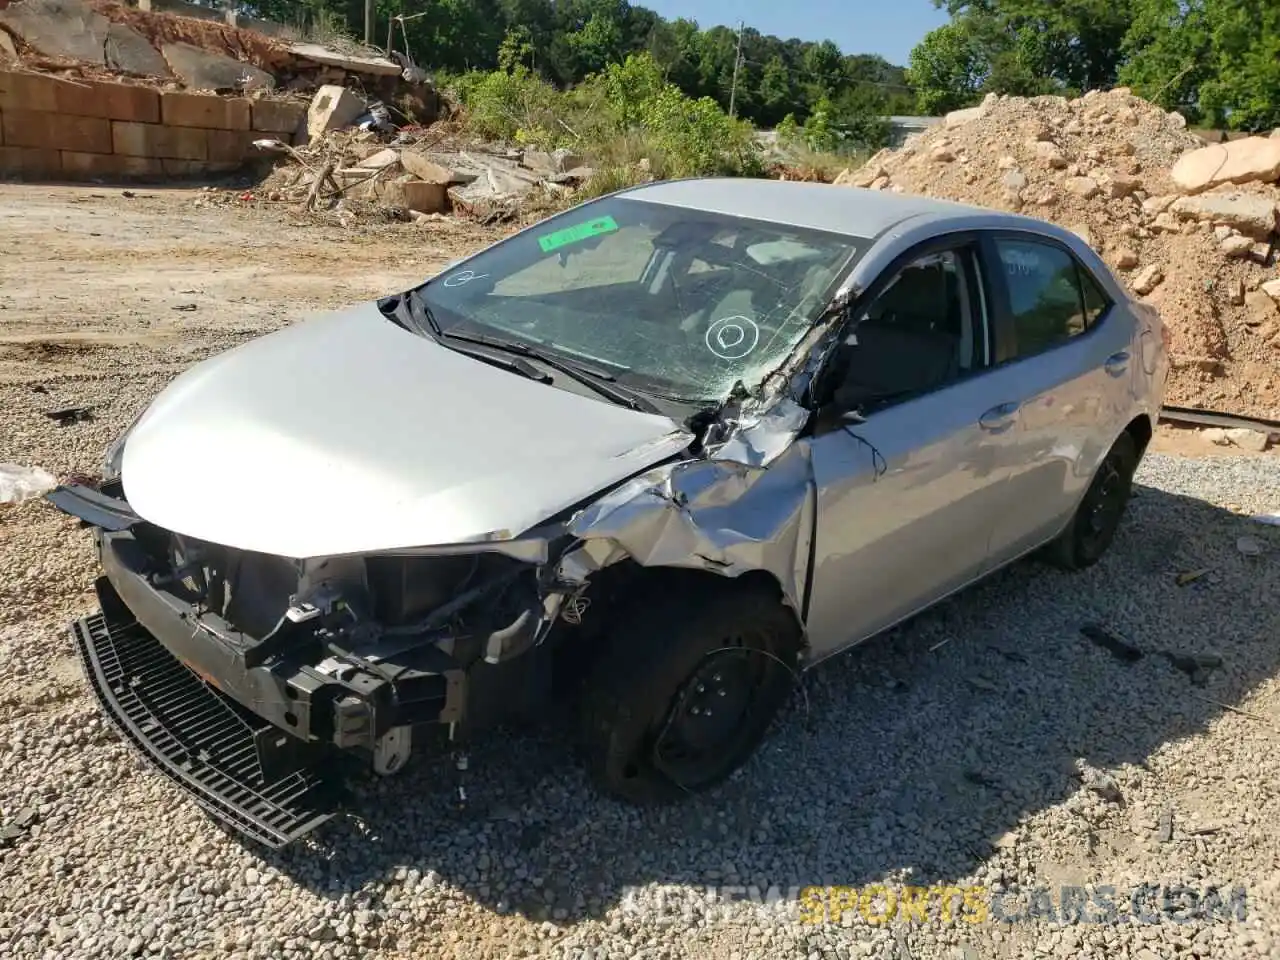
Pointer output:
518, 105
693, 137
623, 114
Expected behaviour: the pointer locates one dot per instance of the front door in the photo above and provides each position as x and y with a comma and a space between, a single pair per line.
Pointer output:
906, 498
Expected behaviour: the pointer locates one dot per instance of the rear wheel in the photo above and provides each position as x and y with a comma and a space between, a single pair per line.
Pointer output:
686, 689
1096, 520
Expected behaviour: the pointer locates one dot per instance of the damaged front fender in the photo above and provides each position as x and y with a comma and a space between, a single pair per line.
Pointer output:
720, 515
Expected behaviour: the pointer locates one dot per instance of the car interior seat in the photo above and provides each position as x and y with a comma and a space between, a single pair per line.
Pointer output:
909, 339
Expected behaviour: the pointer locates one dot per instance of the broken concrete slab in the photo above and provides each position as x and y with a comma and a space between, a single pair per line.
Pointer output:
1252, 215
201, 70
72, 29
493, 185
333, 108
380, 160
493, 179
426, 169
330, 58
1238, 161
551, 162
423, 197
574, 176
403, 191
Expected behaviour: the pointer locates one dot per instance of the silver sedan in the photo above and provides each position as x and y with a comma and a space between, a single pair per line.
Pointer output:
652, 457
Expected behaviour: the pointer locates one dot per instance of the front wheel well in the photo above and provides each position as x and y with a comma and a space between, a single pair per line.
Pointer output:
619, 590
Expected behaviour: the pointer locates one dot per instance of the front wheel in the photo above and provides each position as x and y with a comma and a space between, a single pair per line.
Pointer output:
687, 688
1096, 520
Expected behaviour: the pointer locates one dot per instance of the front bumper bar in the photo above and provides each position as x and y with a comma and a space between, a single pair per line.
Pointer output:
279, 683
241, 770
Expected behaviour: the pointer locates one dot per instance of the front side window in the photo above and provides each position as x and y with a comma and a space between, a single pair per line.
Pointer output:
920, 333
1044, 293
680, 302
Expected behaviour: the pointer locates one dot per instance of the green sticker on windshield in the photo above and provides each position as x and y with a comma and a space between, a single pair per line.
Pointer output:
561, 238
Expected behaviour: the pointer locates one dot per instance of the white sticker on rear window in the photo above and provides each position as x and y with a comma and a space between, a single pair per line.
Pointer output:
1019, 263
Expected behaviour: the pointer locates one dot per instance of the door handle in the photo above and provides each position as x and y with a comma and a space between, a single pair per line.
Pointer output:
999, 419
1117, 363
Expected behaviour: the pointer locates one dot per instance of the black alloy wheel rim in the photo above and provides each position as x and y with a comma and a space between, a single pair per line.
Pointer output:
1106, 499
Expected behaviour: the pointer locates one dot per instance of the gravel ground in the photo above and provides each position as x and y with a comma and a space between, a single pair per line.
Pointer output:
989, 743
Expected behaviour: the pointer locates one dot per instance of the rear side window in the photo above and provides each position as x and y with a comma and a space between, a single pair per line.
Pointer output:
1046, 297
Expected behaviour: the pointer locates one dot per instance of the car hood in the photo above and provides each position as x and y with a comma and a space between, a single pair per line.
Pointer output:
349, 434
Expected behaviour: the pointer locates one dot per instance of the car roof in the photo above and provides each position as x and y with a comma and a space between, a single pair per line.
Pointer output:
851, 211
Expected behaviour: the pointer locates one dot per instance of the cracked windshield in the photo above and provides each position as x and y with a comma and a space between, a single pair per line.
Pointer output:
679, 303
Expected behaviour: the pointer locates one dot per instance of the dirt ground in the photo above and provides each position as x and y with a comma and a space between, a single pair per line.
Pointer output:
105, 296
103, 289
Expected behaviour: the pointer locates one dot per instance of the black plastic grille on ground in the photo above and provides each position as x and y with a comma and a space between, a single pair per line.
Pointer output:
195, 736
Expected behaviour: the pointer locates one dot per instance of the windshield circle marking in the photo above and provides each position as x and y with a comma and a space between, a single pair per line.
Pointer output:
732, 338
463, 277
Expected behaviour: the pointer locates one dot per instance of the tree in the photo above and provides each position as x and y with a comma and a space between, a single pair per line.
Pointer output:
947, 68
1024, 47
598, 43
1167, 53
858, 115
1243, 91
516, 49
823, 68
774, 94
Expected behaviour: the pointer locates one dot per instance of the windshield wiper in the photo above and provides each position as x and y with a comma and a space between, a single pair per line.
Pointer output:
601, 381
564, 364
422, 318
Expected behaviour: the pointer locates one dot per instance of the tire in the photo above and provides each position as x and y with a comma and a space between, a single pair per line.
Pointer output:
727, 649
1096, 520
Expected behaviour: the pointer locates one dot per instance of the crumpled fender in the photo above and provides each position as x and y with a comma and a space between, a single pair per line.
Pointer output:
749, 506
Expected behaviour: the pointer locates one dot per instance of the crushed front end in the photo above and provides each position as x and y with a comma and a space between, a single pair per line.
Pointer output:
246, 677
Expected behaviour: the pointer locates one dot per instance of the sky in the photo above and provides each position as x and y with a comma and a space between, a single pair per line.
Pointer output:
887, 27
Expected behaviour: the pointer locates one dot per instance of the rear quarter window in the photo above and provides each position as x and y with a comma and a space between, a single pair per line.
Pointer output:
1096, 301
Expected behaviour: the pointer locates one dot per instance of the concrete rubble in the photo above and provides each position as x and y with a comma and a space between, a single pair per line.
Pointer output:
414, 173
199, 69
1190, 228
333, 108
350, 156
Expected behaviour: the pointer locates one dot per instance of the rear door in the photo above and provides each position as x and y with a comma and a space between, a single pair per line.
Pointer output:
1071, 356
